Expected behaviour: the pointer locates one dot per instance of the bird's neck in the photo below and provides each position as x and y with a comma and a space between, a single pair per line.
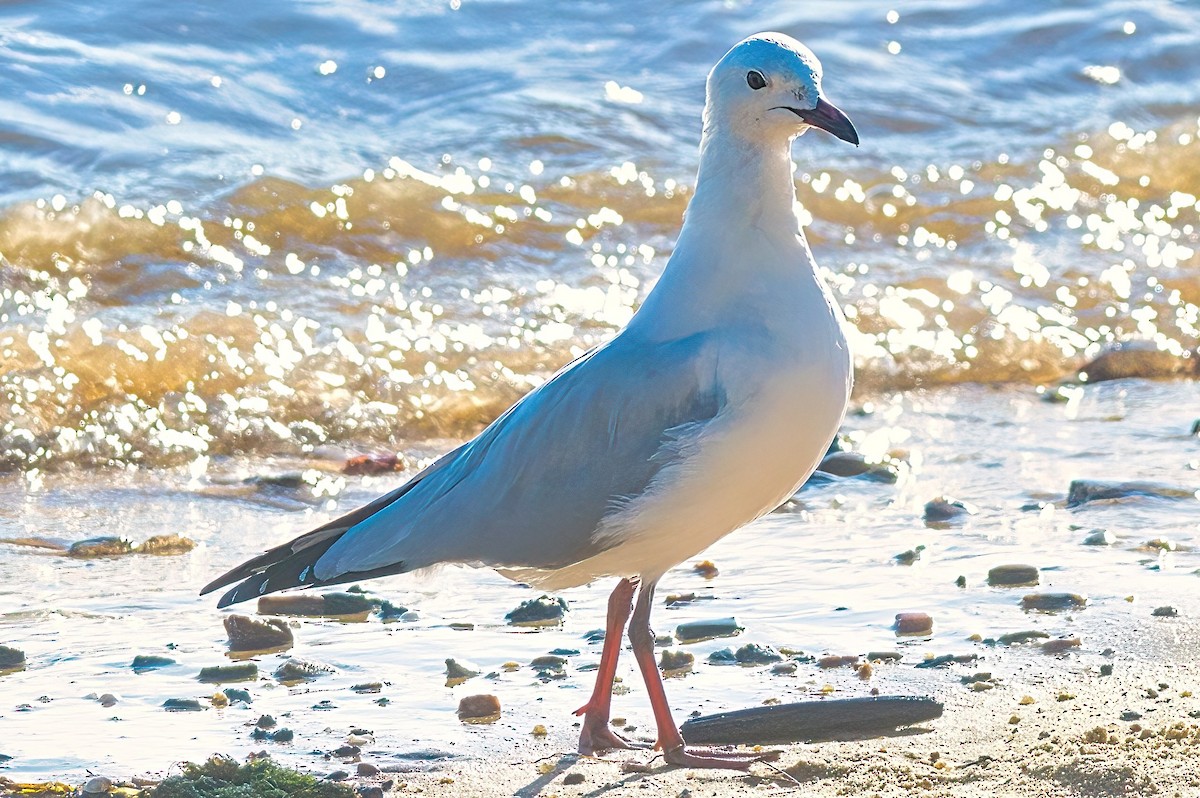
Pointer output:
743, 183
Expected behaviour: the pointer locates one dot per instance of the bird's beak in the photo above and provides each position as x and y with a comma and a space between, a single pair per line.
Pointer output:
829, 118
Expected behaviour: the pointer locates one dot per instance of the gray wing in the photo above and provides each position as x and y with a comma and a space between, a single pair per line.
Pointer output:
532, 488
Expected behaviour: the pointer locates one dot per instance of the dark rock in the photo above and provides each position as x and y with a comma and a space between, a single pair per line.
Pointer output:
1020, 638
837, 661
676, 662
1060, 645
883, 656
457, 673
1143, 359
1130, 715
837, 719
854, 464
754, 654
460, 626
337, 775
695, 631
100, 547
1100, 537
367, 769
1106, 669
324, 705
1013, 576
1165, 612
914, 623
548, 662
573, 778
11, 659
387, 611
1053, 602
265, 722
283, 736
479, 708
236, 694
594, 636
784, 668
945, 510
148, 662
1085, 491
182, 705
565, 652
960, 582
241, 672
541, 611
294, 671
724, 656
367, 687
98, 785
165, 545
347, 751
945, 660
248, 634
329, 605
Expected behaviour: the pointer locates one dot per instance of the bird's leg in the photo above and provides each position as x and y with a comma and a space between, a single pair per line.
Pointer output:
669, 739
596, 734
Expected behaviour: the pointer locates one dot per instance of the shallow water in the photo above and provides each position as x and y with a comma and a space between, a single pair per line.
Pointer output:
236, 245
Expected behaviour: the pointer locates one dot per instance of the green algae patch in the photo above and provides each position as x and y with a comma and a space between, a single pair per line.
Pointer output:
222, 777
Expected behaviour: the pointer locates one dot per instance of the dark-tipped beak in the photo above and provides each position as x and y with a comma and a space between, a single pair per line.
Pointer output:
829, 118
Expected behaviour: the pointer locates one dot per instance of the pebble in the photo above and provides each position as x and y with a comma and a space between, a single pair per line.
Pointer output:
461, 626
1165, 612
676, 663
457, 673
248, 634
1144, 359
754, 654
724, 656
706, 569
1019, 638
695, 631
854, 464
947, 510
784, 668
1013, 576
98, 785
541, 611
107, 700
573, 778
164, 545
548, 662
1100, 537
883, 656
1106, 669
229, 673
945, 659
843, 719
295, 670
1130, 715
1085, 491
266, 722
1060, 645
329, 605
367, 769
182, 705
837, 661
370, 792
347, 751
337, 775
917, 624
11, 659
479, 708
387, 611
147, 662
1053, 602
100, 547
371, 464
367, 687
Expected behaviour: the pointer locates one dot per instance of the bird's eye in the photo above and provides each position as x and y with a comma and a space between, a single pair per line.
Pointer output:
755, 79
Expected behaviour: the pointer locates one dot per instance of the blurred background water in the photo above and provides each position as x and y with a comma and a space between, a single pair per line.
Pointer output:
249, 238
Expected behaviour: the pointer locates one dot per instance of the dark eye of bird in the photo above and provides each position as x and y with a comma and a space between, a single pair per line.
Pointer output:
755, 79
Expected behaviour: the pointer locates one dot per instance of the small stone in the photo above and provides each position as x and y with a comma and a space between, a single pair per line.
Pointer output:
182, 705
347, 751
461, 626
883, 656
248, 634
1129, 715
854, 464
1060, 645
265, 722
1012, 575
676, 663
146, 662
541, 611
918, 624
237, 695
337, 775
479, 708
100, 547
548, 662
1026, 700
865, 671
1165, 612
11, 659
1106, 669
367, 687
107, 700
1020, 638
371, 791
1132, 359
573, 778
219, 700
706, 569
283, 736
960, 582
329, 605
387, 611
367, 769
165, 545
755, 654
837, 661
457, 673
946, 510
295, 671
1086, 491
241, 672
1100, 537
98, 785
1053, 602
724, 656
784, 668
539, 731
696, 631
373, 464
633, 766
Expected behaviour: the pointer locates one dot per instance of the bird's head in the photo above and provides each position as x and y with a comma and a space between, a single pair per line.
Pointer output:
769, 86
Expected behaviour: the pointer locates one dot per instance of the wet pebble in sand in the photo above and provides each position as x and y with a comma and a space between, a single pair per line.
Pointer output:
165, 545
367, 769
236, 695
277, 736
724, 656
371, 791
98, 785
1018, 638
1013, 576
100, 547
755, 654
182, 705
479, 709
1100, 537
1130, 359
387, 611
295, 670
1085, 491
229, 673
914, 623
784, 668
695, 631
1060, 645
706, 569
329, 605
1165, 612
367, 687
11, 659
676, 663
541, 611
837, 661
1053, 602
948, 510
457, 673
148, 662
247, 634
573, 778
854, 464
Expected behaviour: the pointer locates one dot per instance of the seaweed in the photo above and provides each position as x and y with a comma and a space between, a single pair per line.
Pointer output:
223, 777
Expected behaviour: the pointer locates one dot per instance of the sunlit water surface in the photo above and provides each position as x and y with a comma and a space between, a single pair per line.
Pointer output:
242, 245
